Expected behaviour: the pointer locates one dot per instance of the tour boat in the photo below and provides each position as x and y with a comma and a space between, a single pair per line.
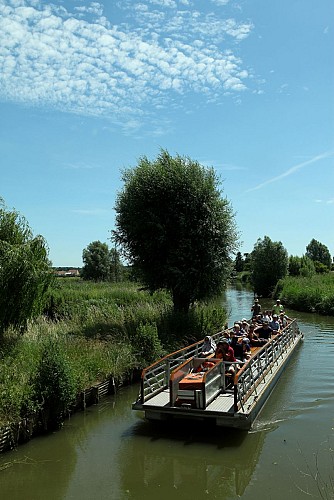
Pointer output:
175, 386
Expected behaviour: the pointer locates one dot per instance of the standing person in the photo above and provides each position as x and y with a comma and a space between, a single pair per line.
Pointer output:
277, 308
256, 308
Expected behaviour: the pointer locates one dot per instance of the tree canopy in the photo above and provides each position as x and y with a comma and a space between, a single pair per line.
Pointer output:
101, 263
25, 270
269, 263
318, 252
175, 227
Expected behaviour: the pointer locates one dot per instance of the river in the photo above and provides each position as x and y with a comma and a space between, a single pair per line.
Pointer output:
111, 452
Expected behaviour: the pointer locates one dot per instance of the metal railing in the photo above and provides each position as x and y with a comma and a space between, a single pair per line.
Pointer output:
261, 365
155, 377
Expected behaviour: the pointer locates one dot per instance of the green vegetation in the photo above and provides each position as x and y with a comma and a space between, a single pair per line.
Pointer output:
269, 263
175, 228
319, 254
101, 263
310, 294
91, 331
25, 271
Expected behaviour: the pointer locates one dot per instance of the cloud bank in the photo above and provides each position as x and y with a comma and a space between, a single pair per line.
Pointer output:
81, 62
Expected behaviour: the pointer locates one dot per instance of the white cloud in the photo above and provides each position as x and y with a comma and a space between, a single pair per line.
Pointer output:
52, 57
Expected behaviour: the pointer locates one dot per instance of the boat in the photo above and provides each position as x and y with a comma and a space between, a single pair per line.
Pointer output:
179, 386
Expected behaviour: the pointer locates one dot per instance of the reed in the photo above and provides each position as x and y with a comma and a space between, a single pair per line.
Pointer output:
309, 294
90, 331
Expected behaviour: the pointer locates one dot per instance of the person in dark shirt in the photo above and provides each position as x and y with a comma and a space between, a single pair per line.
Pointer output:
264, 331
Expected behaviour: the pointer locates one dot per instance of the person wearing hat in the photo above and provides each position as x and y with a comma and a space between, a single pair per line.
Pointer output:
277, 308
256, 308
275, 324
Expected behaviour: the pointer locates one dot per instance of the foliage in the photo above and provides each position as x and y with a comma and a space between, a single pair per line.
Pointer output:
55, 384
301, 266
101, 263
269, 264
175, 227
309, 294
25, 271
320, 268
101, 330
239, 263
317, 251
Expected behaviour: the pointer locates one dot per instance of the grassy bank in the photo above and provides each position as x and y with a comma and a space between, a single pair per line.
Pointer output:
312, 294
90, 332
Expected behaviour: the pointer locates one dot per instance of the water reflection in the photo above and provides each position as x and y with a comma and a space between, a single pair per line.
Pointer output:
188, 461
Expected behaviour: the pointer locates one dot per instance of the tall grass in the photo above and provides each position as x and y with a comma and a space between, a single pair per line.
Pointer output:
91, 331
309, 294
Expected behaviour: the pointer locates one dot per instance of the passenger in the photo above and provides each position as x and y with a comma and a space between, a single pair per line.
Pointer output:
237, 331
246, 350
278, 307
254, 339
264, 331
245, 325
267, 316
275, 324
284, 320
256, 308
227, 354
226, 335
208, 347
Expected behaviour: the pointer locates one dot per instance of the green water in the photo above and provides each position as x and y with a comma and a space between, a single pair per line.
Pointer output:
111, 452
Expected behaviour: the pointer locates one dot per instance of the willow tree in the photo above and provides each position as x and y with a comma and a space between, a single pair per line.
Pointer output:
25, 272
175, 227
269, 263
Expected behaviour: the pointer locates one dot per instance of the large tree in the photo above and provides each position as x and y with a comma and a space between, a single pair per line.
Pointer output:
176, 228
318, 252
269, 263
25, 270
101, 263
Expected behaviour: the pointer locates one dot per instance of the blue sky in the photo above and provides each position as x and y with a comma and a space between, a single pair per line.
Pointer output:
245, 86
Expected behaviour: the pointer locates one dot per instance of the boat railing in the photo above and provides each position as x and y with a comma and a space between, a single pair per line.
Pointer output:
260, 365
155, 377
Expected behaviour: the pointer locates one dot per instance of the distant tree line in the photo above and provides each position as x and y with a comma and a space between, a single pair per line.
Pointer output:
269, 262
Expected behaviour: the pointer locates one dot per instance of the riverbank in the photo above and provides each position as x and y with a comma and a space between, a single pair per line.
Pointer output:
91, 333
308, 294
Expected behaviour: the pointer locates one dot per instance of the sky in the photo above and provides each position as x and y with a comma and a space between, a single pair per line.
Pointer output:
243, 86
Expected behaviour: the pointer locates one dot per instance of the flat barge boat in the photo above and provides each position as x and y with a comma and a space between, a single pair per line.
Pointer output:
174, 388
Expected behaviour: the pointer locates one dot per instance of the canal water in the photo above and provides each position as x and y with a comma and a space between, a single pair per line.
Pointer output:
111, 452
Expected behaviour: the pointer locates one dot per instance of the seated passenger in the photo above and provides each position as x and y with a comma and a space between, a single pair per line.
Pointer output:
267, 316
225, 352
284, 320
245, 325
264, 331
275, 324
208, 347
254, 339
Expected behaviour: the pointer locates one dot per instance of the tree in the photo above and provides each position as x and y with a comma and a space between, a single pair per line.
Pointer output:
25, 270
301, 266
269, 264
100, 263
317, 251
239, 263
175, 227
